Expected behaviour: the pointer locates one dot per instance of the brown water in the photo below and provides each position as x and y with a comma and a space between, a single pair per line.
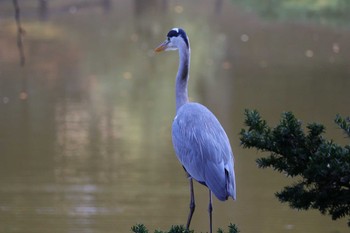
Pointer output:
85, 141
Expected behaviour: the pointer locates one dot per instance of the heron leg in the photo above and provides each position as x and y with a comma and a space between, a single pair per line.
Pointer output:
210, 210
192, 205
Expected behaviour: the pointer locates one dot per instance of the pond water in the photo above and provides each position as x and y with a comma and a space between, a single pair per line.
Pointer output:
85, 125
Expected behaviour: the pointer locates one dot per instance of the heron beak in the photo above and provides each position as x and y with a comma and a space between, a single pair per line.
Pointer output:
161, 47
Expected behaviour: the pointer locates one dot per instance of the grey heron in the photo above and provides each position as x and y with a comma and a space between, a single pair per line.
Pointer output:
199, 140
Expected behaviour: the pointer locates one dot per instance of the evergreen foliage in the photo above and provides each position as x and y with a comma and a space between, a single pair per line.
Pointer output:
321, 166
140, 228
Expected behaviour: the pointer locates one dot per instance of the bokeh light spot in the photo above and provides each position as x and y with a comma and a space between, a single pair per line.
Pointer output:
335, 48
127, 75
309, 53
179, 9
244, 38
23, 95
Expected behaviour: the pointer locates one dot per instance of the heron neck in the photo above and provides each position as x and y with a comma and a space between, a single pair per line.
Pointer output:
182, 77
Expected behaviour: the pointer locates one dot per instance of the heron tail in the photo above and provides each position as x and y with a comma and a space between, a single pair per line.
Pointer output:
230, 183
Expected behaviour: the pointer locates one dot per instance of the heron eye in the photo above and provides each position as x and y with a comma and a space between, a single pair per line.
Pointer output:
168, 39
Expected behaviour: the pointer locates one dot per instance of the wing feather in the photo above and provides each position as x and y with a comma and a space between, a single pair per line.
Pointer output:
203, 148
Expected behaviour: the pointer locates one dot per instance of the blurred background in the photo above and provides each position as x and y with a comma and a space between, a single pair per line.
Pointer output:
85, 124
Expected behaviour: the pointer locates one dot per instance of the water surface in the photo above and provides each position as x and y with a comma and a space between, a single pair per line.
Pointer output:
85, 125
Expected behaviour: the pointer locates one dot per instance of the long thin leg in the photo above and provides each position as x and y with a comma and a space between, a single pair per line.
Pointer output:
192, 205
210, 210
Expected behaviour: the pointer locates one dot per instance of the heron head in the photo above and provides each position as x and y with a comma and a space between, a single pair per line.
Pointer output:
176, 38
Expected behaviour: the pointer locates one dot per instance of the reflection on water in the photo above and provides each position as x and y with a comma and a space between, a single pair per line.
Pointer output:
85, 140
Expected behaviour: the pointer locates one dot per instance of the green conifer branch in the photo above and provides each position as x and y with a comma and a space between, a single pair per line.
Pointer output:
322, 166
141, 228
